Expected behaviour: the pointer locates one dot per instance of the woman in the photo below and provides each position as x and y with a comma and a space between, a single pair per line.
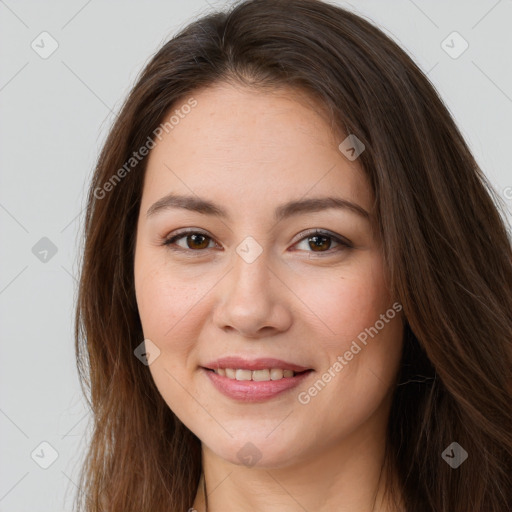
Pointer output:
296, 285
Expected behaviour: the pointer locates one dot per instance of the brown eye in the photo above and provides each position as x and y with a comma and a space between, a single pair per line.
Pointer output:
197, 241
322, 242
319, 243
194, 240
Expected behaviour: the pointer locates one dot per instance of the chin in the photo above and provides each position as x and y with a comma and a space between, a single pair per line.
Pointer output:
256, 450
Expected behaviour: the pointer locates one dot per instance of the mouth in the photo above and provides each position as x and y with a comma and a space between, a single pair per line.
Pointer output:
254, 380
263, 375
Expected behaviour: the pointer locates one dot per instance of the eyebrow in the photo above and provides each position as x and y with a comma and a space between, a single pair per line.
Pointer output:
286, 210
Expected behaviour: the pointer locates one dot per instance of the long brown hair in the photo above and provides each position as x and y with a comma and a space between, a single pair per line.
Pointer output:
445, 245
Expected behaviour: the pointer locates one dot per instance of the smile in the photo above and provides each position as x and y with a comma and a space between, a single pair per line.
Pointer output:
255, 375
244, 386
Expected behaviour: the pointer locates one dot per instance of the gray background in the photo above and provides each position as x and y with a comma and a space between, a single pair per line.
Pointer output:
55, 113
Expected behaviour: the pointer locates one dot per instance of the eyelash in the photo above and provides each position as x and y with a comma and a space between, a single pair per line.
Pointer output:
343, 244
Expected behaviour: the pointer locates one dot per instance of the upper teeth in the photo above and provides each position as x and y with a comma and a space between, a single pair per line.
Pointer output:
258, 375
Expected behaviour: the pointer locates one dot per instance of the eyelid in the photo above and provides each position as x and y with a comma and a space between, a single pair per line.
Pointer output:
322, 232
168, 240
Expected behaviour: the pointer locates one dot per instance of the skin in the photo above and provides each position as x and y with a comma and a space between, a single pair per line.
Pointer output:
249, 151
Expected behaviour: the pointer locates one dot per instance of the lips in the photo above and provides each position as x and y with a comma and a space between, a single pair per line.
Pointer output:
254, 391
253, 364
254, 380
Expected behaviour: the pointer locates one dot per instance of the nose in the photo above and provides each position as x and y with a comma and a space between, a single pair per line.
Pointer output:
253, 300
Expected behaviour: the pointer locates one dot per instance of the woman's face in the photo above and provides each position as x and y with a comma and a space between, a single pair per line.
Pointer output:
250, 173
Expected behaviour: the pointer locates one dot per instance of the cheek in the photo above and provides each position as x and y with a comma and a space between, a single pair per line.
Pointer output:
167, 302
167, 312
358, 330
347, 302
169, 305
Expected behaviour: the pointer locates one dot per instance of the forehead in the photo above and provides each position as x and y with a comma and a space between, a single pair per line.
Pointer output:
249, 147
